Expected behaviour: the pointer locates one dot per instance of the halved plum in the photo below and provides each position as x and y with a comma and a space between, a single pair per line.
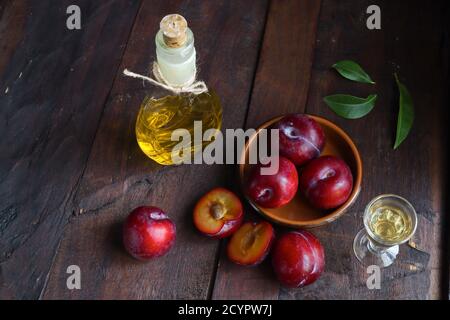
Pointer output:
218, 213
250, 244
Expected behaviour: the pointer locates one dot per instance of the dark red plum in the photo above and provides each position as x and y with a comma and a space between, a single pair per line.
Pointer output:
273, 191
148, 233
301, 138
298, 259
326, 182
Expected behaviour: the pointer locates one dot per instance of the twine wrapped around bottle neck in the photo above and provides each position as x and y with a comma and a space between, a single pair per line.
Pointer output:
191, 86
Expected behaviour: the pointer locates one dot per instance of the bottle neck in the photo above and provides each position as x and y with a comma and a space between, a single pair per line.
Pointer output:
177, 65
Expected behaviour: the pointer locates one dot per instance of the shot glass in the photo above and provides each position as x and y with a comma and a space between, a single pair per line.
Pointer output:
389, 221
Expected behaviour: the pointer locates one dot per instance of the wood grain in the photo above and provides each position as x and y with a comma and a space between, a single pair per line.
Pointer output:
409, 43
445, 138
119, 177
71, 170
53, 85
281, 86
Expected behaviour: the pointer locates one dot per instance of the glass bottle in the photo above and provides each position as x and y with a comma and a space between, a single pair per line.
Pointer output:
158, 118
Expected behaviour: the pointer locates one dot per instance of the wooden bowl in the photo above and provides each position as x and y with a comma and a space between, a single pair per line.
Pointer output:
299, 213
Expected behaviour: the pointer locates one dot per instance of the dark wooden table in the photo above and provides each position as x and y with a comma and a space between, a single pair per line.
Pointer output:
71, 169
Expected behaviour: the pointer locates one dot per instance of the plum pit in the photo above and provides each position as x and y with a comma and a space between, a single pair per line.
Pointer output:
218, 211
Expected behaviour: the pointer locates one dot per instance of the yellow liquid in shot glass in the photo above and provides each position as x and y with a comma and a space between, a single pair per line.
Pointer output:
389, 223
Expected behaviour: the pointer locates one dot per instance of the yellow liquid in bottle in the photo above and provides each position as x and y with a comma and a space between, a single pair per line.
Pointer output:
158, 118
390, 223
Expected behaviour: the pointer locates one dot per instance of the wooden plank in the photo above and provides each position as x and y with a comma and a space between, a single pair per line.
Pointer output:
445, 140
408, 43
281, 86
119, 177
53, 85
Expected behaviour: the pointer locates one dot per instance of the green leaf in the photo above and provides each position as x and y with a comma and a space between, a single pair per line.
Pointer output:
350, 107
405, 113
352, 71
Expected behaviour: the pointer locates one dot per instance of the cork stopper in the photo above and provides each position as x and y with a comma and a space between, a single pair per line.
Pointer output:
174, 28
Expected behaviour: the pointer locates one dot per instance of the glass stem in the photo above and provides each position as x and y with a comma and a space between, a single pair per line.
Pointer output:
375, 248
